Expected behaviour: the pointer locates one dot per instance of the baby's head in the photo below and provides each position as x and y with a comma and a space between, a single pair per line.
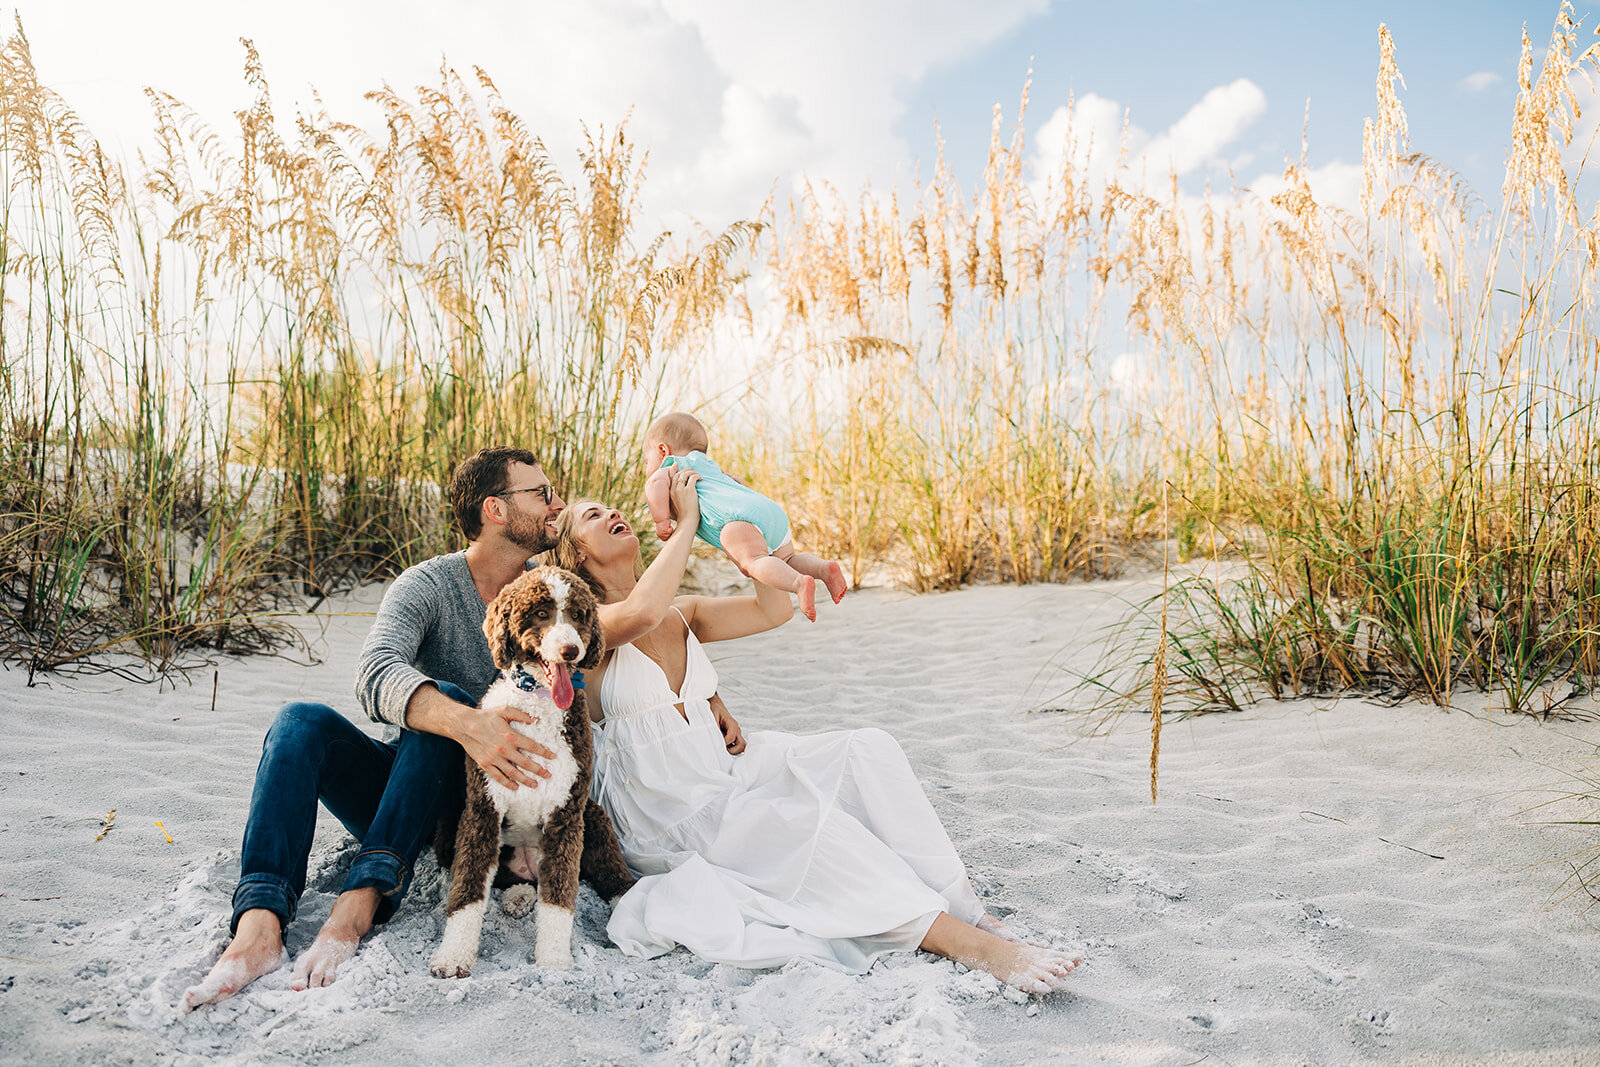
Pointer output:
676, 433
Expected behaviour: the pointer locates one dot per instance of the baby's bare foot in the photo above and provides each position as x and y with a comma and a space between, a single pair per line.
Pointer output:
806, 590
835, 582
251, 954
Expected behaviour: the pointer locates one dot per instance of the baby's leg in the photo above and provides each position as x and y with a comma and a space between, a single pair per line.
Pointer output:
743, 543
825, 571
658, 495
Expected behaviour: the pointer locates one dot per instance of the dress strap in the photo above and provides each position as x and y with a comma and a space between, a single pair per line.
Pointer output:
680, 614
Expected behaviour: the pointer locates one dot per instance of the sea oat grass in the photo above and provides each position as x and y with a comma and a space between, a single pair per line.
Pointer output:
243, 377
242, 374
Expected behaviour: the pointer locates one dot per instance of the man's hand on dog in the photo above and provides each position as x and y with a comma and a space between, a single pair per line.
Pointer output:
506, 756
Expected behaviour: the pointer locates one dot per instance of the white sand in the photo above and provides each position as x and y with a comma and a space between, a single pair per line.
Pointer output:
1276, 905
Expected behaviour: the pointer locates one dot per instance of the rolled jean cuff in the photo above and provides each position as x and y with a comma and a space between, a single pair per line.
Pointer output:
384, 871
263, 891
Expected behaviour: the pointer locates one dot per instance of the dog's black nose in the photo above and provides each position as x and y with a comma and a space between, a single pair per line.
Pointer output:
570, 653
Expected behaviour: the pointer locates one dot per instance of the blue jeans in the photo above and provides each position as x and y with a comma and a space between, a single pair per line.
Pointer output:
389, 796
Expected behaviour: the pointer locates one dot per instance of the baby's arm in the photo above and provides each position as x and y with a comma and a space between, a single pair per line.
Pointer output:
657, 494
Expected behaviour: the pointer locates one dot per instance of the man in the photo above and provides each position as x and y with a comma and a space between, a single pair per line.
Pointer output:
424, 667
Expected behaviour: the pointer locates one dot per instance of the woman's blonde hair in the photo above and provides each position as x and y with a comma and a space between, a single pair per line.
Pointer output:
566, 550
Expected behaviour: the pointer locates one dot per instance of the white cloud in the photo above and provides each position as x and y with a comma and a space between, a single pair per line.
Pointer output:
557, 64
1099, 141
727, 96
1207, 128
1336, 185
846, 67
1133, 374
1092, 134
1482, 81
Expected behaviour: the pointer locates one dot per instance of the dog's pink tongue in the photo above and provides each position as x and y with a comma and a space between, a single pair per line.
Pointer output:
560, 686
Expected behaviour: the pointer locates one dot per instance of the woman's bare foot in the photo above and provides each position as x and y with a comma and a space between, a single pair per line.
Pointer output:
834, 580
990, 925
338, 939
806, 589
256, 949
1029, 968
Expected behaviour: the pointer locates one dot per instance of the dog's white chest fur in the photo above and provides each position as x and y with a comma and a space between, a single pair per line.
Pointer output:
525, 810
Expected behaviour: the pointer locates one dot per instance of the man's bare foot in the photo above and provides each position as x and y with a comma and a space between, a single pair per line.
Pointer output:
1029, 968
835, 581
338, 939
806, 590
256, 949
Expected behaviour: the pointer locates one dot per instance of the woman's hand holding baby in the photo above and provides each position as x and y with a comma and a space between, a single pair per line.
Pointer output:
685, 499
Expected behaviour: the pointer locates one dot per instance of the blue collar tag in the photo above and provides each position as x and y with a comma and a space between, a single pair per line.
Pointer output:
519, 677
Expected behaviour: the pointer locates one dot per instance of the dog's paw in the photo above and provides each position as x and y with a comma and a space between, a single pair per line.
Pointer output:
447, 966
518, 900
559, 959
552, 946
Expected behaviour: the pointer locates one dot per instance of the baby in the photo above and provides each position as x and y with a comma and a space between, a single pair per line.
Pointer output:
751, 529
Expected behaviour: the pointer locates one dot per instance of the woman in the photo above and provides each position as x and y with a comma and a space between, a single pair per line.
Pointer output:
819, 847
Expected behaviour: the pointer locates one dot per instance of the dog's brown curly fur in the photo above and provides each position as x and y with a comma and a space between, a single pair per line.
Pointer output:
577, 838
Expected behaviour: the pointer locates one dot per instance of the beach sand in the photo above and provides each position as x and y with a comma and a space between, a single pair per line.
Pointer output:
1323, 882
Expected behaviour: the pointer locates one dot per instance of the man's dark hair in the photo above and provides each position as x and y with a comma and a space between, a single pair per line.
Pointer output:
478, 478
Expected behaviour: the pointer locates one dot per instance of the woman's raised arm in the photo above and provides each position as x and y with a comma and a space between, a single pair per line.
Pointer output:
645, 606
722, 618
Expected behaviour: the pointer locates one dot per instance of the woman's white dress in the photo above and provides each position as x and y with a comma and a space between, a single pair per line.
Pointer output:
820, 847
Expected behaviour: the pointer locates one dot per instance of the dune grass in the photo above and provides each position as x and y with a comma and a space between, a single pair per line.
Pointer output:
236, 377
239, 377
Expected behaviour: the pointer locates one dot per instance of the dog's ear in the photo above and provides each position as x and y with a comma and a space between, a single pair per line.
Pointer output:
595, 641
584, 606
497, 628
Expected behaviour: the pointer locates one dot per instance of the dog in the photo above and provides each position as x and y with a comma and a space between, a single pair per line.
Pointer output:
540, 628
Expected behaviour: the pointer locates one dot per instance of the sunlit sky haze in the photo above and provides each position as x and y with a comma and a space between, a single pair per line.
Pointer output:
735, 99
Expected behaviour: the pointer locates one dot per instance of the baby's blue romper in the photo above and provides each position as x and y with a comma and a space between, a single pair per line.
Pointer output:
723, 500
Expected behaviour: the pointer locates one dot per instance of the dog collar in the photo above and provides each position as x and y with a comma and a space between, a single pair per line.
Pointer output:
519, 677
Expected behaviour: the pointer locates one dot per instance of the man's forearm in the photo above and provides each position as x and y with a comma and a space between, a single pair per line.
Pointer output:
432, 712
485, 734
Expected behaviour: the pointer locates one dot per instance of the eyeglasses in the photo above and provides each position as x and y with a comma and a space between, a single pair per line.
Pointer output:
546, 492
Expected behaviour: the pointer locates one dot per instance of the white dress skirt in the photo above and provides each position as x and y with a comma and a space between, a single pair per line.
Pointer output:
822, 848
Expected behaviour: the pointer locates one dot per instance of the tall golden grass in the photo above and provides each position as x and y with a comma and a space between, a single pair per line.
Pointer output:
242, 373
1387, 409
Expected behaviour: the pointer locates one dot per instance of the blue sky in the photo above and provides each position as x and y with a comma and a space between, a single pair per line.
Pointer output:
736, 97
1157, 59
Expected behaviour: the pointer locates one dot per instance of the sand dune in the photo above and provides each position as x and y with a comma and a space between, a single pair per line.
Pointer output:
1327, 884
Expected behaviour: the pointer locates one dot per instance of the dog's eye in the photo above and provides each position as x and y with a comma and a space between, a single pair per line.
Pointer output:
543, 613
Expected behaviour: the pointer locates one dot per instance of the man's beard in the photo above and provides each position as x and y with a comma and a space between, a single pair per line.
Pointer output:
530, 535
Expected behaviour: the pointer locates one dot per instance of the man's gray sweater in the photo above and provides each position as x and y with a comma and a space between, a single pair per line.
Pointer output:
429, 626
